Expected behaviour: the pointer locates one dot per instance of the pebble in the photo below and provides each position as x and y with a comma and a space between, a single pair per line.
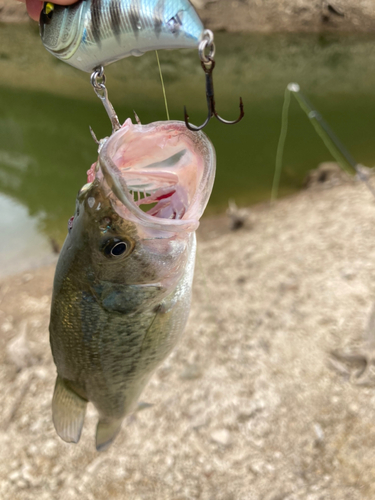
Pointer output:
221, 436
319, 433
13, 476
49, 448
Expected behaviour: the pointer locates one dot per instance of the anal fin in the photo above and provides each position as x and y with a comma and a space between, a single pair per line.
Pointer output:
106, 431
68, 412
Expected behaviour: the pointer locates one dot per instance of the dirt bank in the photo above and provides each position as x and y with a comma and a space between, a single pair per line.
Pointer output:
263, 16
248, 406
288, 15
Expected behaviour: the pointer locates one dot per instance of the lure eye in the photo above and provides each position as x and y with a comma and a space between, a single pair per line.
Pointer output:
174, 24
48, 9
115, 247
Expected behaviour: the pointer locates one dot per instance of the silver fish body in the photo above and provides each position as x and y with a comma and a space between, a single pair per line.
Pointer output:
123, 282
92, 33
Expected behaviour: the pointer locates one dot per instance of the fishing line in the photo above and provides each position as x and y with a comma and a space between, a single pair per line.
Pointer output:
280, 146
331, 142
162, 85
329, 138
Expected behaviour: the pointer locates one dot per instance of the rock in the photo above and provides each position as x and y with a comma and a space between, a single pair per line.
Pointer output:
327, 174
319, 433
221, 436
238, 216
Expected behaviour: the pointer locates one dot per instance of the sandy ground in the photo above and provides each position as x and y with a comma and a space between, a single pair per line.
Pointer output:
249, 406
263, 15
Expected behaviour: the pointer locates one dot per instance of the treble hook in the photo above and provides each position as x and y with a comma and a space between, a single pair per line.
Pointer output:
208, 65
98, 83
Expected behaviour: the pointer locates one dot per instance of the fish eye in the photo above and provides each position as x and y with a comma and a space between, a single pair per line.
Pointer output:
114, 247
119, 248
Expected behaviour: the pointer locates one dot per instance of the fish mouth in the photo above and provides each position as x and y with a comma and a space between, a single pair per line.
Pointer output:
160, 174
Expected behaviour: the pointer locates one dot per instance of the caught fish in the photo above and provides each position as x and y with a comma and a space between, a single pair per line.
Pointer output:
92, 33
123, 281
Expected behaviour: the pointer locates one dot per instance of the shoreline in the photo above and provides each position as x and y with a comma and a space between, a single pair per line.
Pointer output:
212, 225
255, 16
219, 224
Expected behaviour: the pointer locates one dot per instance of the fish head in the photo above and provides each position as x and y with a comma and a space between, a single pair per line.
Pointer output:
61, 28
146, 193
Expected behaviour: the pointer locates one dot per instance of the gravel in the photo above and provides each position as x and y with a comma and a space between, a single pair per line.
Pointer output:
249, 406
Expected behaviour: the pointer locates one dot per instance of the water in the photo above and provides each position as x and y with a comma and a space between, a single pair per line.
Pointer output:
46, 108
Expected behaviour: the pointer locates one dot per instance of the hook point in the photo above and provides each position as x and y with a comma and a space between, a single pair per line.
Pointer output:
93, 135
242, 108
137, 118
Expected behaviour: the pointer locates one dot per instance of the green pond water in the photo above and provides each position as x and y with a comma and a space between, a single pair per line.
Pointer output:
46, 108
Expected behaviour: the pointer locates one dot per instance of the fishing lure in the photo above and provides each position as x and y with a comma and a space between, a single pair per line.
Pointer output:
94, 33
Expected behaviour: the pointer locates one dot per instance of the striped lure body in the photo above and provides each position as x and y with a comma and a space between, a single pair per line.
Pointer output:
93, 33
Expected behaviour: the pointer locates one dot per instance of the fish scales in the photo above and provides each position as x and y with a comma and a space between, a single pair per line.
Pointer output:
94, 33
122, 287
116, 353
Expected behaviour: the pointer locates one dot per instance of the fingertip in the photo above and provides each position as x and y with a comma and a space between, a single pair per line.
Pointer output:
33, 8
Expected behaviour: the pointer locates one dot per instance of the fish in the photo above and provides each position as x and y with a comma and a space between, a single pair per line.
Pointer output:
94, 33
123, 281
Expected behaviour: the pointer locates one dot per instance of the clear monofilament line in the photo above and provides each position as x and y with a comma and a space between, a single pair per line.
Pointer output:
331, 141
280, 146
162, 85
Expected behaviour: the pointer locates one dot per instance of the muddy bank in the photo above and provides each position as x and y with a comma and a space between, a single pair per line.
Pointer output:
274, 16
249, 405
263, 16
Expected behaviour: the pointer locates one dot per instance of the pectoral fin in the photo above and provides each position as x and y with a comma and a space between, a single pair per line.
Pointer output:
68, 412
106, 431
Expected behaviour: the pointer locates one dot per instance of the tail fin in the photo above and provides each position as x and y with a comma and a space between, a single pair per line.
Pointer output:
106, 431
68, 412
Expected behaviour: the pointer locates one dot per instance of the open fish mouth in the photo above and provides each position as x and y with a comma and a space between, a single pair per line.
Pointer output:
160, 174
157, 189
